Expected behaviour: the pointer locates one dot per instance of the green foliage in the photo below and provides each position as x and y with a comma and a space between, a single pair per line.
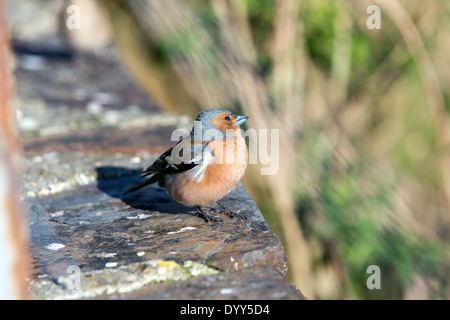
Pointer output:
261, 16
353, 222
356, 222
319, 31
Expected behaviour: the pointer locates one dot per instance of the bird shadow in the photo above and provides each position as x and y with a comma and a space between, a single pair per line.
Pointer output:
115, 181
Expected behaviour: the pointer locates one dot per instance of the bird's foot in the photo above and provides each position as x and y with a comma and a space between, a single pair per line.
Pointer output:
207, 217
230, 213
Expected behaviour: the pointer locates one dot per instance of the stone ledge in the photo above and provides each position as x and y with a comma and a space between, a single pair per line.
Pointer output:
260, 282
92, 228
103, 130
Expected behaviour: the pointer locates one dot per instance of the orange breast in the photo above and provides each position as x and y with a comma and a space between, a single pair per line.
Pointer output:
220, 176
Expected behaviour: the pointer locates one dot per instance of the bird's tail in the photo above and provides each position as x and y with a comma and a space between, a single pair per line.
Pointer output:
153, 179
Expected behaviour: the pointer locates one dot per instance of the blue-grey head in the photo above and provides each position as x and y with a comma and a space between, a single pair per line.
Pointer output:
213, 124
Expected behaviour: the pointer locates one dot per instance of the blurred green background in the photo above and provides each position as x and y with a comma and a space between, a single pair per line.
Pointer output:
364, 175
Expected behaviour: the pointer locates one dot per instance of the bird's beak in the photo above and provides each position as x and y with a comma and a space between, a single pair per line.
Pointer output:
240, 120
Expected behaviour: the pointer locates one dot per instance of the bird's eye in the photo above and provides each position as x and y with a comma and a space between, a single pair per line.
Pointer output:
227, 118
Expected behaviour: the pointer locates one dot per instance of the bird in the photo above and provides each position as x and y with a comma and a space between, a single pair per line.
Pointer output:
204, 166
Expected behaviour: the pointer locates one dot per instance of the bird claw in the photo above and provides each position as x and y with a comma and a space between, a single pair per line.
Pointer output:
207, 217
215, 219
230, 213
233, 214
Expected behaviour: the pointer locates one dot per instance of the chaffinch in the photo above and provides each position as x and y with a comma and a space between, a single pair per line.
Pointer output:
204, 166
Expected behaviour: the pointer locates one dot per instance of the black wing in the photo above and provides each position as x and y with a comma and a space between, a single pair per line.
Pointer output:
181, 157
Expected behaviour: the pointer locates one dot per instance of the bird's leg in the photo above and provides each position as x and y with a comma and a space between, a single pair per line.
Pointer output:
230, 213
202, 214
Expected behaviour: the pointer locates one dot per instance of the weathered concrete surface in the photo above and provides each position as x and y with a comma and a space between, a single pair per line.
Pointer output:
98, 141
116, 280
87, 132
257, 282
